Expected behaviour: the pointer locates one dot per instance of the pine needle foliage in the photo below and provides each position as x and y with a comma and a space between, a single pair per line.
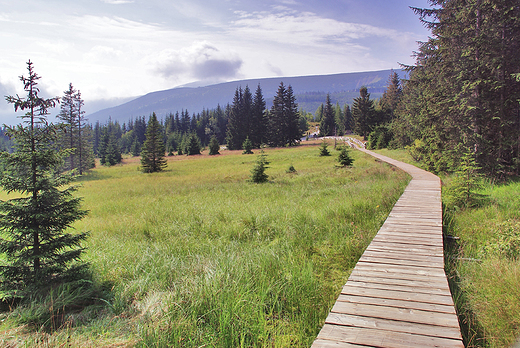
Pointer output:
152, 154
324, 151
344, 158
214, 146
247, 146
37, 249
258, 174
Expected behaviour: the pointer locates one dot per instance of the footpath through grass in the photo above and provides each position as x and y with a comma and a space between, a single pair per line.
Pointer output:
483, 261
196, 256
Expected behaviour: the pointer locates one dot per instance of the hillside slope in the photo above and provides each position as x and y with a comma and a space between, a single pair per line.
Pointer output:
310, 92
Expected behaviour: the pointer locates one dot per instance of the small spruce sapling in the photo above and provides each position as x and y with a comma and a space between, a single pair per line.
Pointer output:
323, 149
258, 175
344, 158
247, 145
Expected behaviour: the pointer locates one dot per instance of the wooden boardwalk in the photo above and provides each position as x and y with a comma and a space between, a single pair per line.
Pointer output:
398, 294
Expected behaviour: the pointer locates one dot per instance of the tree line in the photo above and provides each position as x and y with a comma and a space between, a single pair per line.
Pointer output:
462, 95
246, 118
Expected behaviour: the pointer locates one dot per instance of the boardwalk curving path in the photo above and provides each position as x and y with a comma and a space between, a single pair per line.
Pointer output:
397, 295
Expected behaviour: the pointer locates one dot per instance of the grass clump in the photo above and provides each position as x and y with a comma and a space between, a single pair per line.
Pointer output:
197, 256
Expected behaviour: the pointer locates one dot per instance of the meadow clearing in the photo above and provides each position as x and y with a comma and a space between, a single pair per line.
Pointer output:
197, 256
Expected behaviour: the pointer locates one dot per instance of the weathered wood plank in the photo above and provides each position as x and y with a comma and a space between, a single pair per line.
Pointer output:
398, 295
393, 325
405, 262
433, 290
381, 338
397, 303
412, 283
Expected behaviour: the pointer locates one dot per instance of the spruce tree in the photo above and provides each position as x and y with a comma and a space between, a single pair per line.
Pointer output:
37, 250
363, 113
247, 146
237, 127
193, 145
258, 134
214, 146
461, 92
152, 153
258, 174
344, 158
284, 119
327, 123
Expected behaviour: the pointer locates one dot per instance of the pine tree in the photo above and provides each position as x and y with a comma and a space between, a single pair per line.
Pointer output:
258, 133
323, 149
193, 145
37, 251
247, 146
284, 125
391, 96
152, 153
327, 123
258, 174
363, 113
74, 132
214, 146
344, 158
461, 91
237, 127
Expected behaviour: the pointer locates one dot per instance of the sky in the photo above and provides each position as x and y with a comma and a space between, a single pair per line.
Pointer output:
115, 49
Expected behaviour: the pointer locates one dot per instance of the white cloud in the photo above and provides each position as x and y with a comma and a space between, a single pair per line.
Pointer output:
117, 2
201, 60
304, 28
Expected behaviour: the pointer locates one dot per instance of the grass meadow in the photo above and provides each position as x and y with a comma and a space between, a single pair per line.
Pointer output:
196, 256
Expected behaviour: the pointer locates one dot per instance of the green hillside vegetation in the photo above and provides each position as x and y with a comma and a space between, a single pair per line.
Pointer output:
196, 255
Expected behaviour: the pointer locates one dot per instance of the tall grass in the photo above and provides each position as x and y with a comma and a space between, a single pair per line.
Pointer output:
198, 256
485, 266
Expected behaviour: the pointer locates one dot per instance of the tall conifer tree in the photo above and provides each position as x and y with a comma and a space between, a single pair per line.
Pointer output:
327, 123
37, 249
152, 153
363, 113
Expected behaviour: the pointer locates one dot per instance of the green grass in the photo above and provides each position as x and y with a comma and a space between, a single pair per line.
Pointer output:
198, 256
485, 267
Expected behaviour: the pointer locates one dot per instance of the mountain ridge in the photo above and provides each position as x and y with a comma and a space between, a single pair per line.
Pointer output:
310, 92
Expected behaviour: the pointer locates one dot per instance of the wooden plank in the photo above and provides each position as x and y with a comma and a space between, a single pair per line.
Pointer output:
423, 249
379, 338
393, 325
418, 271
403, 255
398, 295
397, 275
413, 283
397, 303
400, 261
433, 290
320, 343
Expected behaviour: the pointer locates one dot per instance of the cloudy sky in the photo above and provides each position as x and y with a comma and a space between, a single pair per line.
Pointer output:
111, 49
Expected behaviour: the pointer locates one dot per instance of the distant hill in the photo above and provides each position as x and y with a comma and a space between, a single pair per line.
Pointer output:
310, 92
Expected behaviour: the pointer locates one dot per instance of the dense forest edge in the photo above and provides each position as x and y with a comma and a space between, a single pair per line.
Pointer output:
148, 185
